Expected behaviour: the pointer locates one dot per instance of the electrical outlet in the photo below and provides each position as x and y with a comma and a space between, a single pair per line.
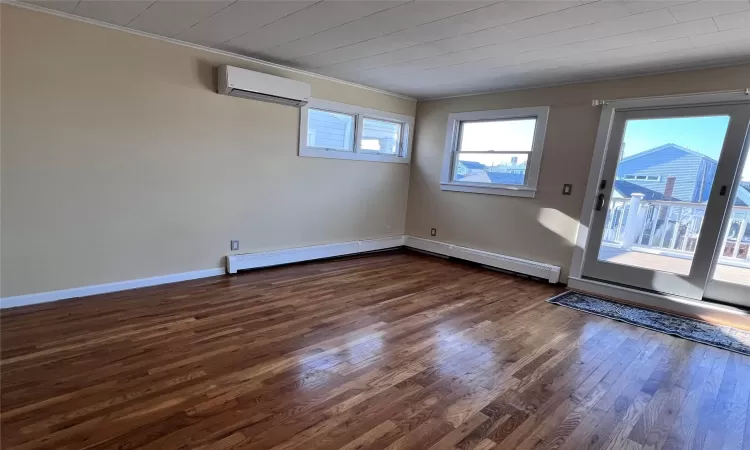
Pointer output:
567, 189
388, 228
433, 232
234, 245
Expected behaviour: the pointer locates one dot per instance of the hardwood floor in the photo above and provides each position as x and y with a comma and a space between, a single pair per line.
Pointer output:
396, 350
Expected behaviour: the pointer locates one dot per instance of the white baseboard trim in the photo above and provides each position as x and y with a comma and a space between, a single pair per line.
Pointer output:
532, 268
299, 254
706, 311
51, 296
292, 255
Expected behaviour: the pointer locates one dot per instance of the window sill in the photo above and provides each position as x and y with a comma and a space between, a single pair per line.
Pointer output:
499, 190
332, 154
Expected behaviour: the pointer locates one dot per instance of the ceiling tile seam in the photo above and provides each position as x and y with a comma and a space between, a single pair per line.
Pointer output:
509, 42
583, 81
707, 64
595, 52
139, 14
528, 51
327, 29
397, 31
487, 45
675, 18
587, 40
271, 23
261, 26
169, 40
456, 36
204, 19
341, 25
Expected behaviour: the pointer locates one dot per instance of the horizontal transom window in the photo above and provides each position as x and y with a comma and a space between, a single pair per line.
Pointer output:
341, 131
494, 152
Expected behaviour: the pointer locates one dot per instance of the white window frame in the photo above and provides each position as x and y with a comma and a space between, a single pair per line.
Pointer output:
359, 113
540, 113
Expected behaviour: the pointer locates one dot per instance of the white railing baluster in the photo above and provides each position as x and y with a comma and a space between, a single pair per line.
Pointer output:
654, 219
643, 227
676, 229
740, 235
665, 225
688, 225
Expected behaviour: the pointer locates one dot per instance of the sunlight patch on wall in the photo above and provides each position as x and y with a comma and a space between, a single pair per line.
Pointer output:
559, 223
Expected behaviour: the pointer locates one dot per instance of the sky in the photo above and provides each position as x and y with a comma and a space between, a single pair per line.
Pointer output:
505, 135
702, 134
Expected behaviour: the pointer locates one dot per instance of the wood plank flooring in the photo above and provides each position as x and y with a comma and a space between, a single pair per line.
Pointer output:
388, 351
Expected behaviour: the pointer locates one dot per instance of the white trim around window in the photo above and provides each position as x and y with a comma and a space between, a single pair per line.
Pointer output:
354, 142
452, 150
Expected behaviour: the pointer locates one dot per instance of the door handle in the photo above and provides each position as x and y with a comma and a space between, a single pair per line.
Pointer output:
599, 202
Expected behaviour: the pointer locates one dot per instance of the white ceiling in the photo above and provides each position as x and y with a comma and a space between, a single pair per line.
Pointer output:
433, 48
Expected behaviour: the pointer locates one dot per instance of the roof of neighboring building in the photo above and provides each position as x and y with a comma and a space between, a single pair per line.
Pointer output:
664, 147
506, 178
743, 196
627, 189
473, 165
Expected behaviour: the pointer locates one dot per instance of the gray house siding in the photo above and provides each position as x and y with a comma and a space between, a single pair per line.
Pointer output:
705, 180
327, 131
382, 132
692, 172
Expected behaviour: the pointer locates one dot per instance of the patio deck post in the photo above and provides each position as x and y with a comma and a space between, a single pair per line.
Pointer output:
633, 222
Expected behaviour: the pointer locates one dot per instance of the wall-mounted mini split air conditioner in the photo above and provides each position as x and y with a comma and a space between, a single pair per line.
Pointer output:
245, 83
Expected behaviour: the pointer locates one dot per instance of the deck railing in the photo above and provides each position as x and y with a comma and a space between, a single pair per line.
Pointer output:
672, 226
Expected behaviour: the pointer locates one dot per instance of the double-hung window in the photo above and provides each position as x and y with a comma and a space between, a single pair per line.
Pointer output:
340, 131
494, 152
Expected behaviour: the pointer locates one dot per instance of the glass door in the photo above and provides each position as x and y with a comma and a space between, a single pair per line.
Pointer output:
730, 278
665, 187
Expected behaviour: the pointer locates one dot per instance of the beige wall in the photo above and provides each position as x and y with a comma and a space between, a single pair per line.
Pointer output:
543, 228
119, 161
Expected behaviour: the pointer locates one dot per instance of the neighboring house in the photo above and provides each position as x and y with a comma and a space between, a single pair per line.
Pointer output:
625, 189
469, 168
649, 173
511, 173
327, 130
513, 167
692, 171
332, 130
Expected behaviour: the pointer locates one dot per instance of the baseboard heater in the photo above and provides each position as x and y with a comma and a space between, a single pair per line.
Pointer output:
509, 263
293, 255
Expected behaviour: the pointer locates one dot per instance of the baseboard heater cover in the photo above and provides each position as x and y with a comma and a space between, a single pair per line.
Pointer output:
293, 255
526, 267
286, 256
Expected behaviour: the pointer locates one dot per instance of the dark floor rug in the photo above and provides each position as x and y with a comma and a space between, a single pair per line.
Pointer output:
721, 336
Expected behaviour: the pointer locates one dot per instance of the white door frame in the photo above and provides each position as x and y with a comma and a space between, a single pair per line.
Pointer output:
602, 138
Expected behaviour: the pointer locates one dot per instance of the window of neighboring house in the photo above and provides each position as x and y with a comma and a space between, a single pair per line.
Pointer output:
494, 152
341, 131
642, 177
